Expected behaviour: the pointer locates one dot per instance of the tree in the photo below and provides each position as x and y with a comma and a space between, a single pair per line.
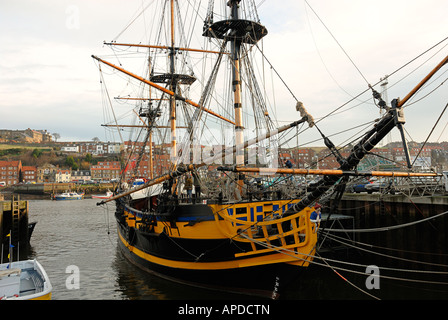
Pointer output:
88, 158
96, 139
56, 136
84, 165
70, 161
36, 153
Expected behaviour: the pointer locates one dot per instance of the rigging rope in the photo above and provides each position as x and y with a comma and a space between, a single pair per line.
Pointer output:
292, 253
388, 228
386, 248
108, 99
352, 243
430, 133
391, 74
345, 279
272, 68
133, 20
337, 42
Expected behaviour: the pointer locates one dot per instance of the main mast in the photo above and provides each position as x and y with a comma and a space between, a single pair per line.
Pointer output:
237, 31
236, 85
173, 153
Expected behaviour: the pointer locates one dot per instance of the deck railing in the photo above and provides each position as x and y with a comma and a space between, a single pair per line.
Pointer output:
272, 233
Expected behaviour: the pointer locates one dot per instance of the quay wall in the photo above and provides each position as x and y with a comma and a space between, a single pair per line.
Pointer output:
392, 218
378, 204
51, 188
18, 225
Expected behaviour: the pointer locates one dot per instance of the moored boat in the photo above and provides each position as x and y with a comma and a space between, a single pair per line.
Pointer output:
69, 196
107, 195
24, 280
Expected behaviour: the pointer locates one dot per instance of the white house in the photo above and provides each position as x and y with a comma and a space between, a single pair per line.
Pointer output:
70, 149
80, 175
63, 175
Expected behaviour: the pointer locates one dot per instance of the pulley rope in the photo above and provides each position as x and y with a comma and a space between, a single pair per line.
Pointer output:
430, 133
348, 244
340, 46
346, 280
294, 254
387, 248
391, 74
387, 228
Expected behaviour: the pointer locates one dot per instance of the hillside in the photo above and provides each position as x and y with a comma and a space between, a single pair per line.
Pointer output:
38, 155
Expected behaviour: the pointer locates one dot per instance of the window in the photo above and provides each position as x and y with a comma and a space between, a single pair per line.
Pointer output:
241, 210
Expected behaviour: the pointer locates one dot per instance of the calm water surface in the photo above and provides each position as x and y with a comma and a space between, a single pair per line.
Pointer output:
79, 233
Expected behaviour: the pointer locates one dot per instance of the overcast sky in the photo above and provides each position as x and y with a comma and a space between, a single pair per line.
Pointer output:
48, 79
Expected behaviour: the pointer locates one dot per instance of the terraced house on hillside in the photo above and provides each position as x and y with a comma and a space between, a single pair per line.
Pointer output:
10, 172
105, 170
63, 175
46, 173
29, 174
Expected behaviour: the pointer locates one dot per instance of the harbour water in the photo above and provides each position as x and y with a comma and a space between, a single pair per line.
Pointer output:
79, 235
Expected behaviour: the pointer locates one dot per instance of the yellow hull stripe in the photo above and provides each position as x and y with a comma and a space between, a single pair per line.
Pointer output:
43, 297
232, 264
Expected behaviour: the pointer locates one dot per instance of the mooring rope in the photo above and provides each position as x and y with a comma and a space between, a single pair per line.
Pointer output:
388, 248
348, 244
286, 252
346, 280
293, 254
387, 228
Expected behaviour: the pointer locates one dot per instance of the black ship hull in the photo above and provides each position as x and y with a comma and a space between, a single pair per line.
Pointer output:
205, 263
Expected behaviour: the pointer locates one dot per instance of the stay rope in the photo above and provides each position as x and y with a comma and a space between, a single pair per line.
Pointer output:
354, 244
389, 227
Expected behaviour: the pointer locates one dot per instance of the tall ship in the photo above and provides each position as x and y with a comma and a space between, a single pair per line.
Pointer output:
226, 212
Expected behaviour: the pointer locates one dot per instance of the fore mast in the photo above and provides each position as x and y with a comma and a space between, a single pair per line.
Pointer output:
173, 80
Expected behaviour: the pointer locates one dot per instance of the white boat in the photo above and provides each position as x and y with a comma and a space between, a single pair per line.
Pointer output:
24, 280
103, 196
69, 196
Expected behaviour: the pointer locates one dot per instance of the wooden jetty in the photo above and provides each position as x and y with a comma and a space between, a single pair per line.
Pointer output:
14, 221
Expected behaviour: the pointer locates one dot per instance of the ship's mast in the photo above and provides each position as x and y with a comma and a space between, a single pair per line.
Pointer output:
236, 85
173, 153
235, 30
151, 166
235, 54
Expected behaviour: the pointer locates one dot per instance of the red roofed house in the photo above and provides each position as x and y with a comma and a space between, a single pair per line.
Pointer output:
105, 171
10, 172
29, 173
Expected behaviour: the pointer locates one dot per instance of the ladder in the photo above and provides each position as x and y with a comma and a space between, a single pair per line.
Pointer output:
15, 221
